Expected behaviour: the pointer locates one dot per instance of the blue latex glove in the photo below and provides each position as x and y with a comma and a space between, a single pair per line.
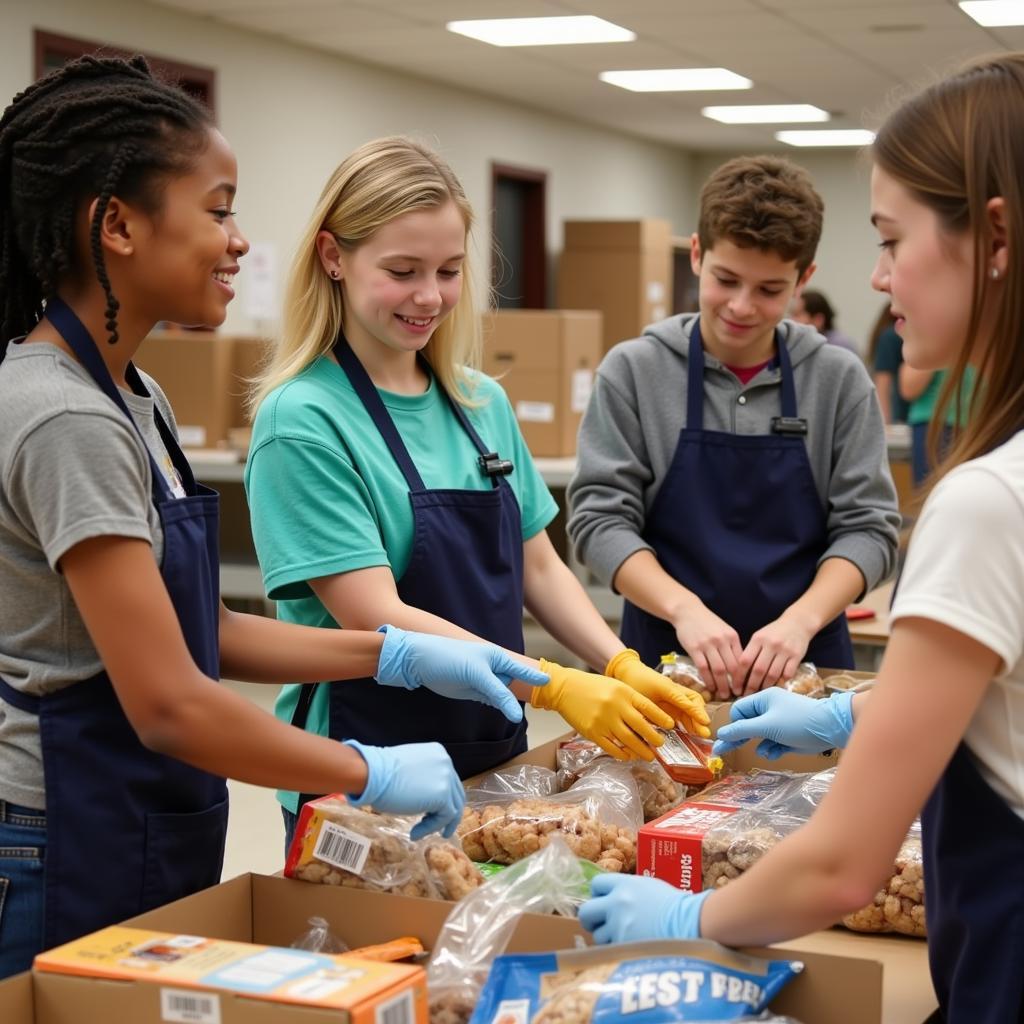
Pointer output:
460, 669
414, 778
787, 722
629, 908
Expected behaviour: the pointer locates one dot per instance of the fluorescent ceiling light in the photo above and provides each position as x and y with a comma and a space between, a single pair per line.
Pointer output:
767, 113
827, 137
991, 13
676, 80
542, 31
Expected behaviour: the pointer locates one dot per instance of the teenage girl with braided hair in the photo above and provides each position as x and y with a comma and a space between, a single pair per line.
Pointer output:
115, 213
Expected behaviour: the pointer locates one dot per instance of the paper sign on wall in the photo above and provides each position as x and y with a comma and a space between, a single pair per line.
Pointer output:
582, 385
535, 412
261, 281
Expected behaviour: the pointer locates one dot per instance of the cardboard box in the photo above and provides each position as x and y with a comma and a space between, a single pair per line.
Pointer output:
623, 268
187, 977
203, 374
545, 361
849, 979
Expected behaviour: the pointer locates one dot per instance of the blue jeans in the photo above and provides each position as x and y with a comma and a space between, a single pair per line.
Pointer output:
290, 823
22, 851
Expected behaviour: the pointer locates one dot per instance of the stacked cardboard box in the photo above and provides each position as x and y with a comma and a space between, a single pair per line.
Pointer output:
623, 268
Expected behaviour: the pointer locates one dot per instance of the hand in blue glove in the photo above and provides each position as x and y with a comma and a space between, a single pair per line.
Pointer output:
787, 722
628, 908
412, 779
460, 669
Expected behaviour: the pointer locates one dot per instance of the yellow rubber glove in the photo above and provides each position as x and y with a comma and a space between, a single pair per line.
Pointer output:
686, 706
609, 713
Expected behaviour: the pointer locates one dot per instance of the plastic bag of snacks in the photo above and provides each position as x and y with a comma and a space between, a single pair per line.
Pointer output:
681, 670
740, 841
338, 844
899, 905
752, 788
658, 793
806, 681
598, 818
641, 982
553, 881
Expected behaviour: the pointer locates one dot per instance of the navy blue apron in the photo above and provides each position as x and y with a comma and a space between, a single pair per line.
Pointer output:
974, 885
739, 522
466, 566
128, 829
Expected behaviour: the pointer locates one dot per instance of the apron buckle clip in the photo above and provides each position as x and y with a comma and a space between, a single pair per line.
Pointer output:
492, 464
793, 425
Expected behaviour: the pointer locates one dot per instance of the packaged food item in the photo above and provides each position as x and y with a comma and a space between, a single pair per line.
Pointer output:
751, 788
319, 938
597, 817
687, 759
738, 843
658, 793
641, 982
552, 881
407, 947
338, 844
681, 670
899, 905
806, 681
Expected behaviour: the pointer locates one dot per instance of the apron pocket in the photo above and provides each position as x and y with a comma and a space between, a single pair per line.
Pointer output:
184, 853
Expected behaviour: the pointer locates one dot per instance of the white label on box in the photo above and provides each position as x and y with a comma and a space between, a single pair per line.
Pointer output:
535, 412
655, 291
341, 847
191, 436
400, 1010
513, 1011
324, 984
582, 384
184, 1007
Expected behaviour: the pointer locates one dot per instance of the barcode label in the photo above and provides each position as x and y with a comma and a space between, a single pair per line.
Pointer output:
398, 1011
342, 848
183, 1007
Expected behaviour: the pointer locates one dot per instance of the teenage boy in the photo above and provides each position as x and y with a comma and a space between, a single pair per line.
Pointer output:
732, 481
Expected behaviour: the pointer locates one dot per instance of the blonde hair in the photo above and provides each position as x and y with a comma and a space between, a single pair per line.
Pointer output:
380, 181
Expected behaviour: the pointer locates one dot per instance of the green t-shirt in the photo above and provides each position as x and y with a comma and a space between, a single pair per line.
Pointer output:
922, 408
327, 497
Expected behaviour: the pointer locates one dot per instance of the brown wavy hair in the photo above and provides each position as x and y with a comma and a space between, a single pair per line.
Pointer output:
955, 146
762, 202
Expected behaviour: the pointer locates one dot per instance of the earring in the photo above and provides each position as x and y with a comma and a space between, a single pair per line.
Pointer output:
994, 273
334, 275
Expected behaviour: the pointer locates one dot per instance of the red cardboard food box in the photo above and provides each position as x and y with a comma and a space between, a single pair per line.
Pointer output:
670, 847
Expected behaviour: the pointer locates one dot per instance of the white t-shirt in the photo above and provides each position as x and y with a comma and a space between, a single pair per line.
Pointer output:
965, 569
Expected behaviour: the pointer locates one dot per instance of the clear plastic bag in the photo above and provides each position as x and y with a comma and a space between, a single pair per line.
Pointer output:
319, 938
598, 817
753, 788
740, 842
338, 844
681, 670
552, 881
806, 681
899, 905
658, 793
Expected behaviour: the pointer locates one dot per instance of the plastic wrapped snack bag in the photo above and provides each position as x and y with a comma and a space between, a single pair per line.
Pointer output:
636, 982
553, 881
806, 681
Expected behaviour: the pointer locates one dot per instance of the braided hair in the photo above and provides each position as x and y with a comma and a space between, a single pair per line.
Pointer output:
95, 127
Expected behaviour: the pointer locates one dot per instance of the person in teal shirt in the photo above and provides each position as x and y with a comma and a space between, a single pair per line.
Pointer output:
389, 482
921, 390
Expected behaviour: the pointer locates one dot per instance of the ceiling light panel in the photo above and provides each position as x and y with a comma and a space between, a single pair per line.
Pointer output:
677, 80
827, 137
767, 113
994, 13
542, 31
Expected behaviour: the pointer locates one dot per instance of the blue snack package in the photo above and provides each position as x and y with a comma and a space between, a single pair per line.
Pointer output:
632, 983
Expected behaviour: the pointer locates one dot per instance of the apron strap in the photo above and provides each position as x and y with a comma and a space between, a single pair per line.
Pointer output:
374, 405
695, 379
460, 415
26, 702
77, 335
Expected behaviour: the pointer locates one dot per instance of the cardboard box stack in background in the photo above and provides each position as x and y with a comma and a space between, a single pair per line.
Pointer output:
203, 374
545, 360
623, 268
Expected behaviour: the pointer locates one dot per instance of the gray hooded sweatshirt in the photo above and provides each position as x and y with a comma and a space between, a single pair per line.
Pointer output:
631, 428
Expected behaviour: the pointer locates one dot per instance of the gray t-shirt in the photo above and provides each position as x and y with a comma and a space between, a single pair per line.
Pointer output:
71, 467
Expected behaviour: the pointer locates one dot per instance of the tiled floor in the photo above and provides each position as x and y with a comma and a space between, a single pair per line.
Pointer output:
255, 832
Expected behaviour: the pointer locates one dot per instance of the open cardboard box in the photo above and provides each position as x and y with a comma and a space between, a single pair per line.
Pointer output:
848, 979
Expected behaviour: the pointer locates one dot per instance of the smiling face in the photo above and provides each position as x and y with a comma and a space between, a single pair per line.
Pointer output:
402, 283
744, 294
185, 254
927, 272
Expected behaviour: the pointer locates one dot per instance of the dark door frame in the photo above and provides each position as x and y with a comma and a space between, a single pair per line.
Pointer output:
535, 278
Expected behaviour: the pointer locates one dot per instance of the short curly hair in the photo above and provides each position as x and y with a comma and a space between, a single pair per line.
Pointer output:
762, 202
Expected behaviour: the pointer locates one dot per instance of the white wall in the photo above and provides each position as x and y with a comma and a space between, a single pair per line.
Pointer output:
292, 114
849, 244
